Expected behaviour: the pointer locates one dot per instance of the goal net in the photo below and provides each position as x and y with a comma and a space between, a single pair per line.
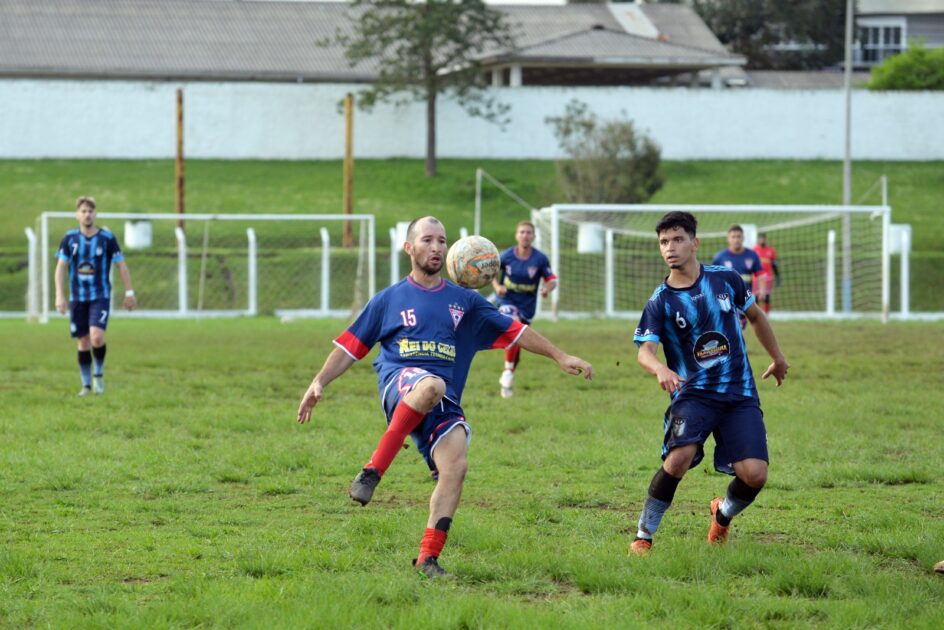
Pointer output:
833, 260
224, 265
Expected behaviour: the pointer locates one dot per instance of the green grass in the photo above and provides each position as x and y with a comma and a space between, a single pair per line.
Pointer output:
396, 190
187, 496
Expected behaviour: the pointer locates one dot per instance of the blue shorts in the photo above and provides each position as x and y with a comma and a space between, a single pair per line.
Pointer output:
736, 423
512, 311
443, 418
82, 315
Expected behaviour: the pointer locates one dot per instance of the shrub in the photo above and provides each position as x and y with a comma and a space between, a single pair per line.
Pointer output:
609, 160
918, 68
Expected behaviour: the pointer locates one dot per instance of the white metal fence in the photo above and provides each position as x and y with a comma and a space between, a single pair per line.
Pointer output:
225, 265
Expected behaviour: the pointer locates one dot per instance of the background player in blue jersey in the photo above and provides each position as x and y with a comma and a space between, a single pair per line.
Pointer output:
86, 254
735, 256
429, 330
522, 269
693, 313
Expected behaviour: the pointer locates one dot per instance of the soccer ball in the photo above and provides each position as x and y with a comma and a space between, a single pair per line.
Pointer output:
473, 261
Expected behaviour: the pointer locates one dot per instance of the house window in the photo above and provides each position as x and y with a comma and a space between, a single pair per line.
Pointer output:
879, 38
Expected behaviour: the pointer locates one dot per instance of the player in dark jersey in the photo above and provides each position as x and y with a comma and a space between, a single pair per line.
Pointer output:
429, 330
744, 261
522, 269
693, 313
87, 254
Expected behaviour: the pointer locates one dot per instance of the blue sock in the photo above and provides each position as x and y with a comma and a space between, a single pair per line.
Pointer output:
98, 354
661, 492
738, 496
85, 367
651, 517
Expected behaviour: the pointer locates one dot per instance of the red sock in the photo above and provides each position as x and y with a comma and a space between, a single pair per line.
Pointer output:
405, 419
511, 354
432, 544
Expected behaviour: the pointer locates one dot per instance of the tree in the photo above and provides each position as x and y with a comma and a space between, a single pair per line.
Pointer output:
779, 34
918, 68
425, 49
610, 162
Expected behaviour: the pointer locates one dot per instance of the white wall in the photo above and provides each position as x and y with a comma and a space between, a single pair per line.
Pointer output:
132, 119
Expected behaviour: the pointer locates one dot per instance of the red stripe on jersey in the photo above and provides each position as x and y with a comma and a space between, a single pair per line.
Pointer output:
510, 336
550, 278
352, 344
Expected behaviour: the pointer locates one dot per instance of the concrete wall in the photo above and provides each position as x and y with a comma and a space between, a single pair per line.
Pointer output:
128, 119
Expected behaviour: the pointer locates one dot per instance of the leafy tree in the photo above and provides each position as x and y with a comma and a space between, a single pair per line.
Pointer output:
609, 161
424, 49
918, 68
754, 28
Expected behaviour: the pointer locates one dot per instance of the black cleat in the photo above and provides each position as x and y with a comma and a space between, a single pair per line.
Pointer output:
362, 488
431, 569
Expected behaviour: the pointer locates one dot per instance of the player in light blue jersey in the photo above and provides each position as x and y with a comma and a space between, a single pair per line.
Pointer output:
86, 254
428, 330
523, 267
694, 314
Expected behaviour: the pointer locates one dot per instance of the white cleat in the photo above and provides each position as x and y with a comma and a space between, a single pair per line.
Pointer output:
85, 391
98, 383
507, 392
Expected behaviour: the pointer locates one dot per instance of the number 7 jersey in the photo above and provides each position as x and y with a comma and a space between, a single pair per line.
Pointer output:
438, 329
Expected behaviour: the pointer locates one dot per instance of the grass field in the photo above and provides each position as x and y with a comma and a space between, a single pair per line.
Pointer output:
187, 496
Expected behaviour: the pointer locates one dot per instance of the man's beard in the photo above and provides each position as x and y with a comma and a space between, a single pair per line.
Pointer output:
429, 269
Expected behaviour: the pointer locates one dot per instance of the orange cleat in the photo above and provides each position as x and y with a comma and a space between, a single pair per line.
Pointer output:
717, 534
640, 547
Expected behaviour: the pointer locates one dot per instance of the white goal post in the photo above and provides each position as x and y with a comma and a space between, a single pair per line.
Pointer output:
227, 265
834, 261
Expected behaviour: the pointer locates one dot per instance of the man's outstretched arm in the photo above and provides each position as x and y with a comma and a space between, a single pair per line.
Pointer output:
535, 342
334, 366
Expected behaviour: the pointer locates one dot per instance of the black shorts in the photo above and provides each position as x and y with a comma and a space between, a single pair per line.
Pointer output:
83, 315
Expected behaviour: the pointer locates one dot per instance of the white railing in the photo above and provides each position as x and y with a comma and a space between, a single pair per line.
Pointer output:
39, 292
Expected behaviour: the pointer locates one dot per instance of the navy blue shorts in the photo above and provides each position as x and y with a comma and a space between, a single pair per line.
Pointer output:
82, 315
736, 423
512, 311
443, 418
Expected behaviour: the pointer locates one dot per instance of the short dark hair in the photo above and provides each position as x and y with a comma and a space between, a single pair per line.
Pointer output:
411, 230
676, 219
736, 228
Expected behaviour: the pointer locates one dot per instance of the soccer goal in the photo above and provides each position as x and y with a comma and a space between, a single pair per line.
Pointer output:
226, 265
833, 260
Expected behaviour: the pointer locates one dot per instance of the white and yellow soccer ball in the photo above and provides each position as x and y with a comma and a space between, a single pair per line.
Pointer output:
473, 261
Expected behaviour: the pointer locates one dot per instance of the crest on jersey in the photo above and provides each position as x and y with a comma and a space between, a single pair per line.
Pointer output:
532, 271
457, 313
98, 251
724, 301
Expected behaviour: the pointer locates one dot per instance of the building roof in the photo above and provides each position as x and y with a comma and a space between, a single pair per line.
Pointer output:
278, 41
803, 80
898, 7
603, 47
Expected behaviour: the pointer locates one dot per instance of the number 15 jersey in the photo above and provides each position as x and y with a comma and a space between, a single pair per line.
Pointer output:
438, 329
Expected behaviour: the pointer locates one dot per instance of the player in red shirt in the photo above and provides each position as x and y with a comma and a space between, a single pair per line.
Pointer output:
428, 330
769, 277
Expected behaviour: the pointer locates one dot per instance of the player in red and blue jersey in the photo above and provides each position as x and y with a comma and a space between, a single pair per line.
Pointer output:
744, 261
769, 277
428, 330
694, 314
87, 254
522, 269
